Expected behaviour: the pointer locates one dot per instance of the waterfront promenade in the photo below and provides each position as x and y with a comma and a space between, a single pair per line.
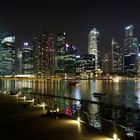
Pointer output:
18, 122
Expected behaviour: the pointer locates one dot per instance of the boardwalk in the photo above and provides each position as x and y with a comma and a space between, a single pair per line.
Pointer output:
17, 122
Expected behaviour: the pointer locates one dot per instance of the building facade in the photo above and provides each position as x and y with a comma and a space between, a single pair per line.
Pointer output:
85, 66
93, 47
43, 46
60, 53
70, 59
27, 59
131, 51
116, 58
7, 56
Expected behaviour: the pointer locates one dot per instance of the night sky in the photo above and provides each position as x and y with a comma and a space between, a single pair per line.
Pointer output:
27, 18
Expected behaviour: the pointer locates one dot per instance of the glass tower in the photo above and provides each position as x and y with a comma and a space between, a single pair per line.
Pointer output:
93, 46
70, 58
116, 61
130, 42
7, 56
43, 54
131, 51
27, 59
60, 53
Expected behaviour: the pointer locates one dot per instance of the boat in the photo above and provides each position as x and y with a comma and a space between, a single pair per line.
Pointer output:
72, 83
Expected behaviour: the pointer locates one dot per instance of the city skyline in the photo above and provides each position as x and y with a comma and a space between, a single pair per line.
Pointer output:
70, 69
25, 19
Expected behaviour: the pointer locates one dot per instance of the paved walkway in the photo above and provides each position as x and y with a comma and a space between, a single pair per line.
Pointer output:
20, 123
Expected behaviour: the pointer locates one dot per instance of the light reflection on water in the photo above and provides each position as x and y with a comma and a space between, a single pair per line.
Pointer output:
126, 93
123, 93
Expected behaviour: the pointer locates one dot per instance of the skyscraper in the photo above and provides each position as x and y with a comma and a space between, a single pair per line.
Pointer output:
27, 59
131, 51
44, 54
7, 56
60, 53
116, 58
130, 42
93, 47
129, 31
70, 59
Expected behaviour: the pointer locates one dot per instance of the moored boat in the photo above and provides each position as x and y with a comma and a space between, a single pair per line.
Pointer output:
73, 83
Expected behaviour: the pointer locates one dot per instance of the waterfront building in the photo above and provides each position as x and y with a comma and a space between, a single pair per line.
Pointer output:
85, 65
70, 59
116, 58
7, 56
60, 53
50, 53
27, 59
131, 51
93, 47
43, 47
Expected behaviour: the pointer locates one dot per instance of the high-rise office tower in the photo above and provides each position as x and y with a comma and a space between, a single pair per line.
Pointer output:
7, 56
27, 59
129, 31
60, 53
116, 58
70, 59
43, 47
131, 51
130, 42
93, 47
50, 53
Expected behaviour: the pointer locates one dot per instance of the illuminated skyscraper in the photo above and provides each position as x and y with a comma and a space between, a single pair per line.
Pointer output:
7, 56
129, 31
70, 59
27, 59
60, 53
131, 51
116, 58
43, 47
130, 42
93, 47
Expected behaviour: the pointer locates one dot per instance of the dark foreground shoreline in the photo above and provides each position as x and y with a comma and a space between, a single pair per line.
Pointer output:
20, 123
